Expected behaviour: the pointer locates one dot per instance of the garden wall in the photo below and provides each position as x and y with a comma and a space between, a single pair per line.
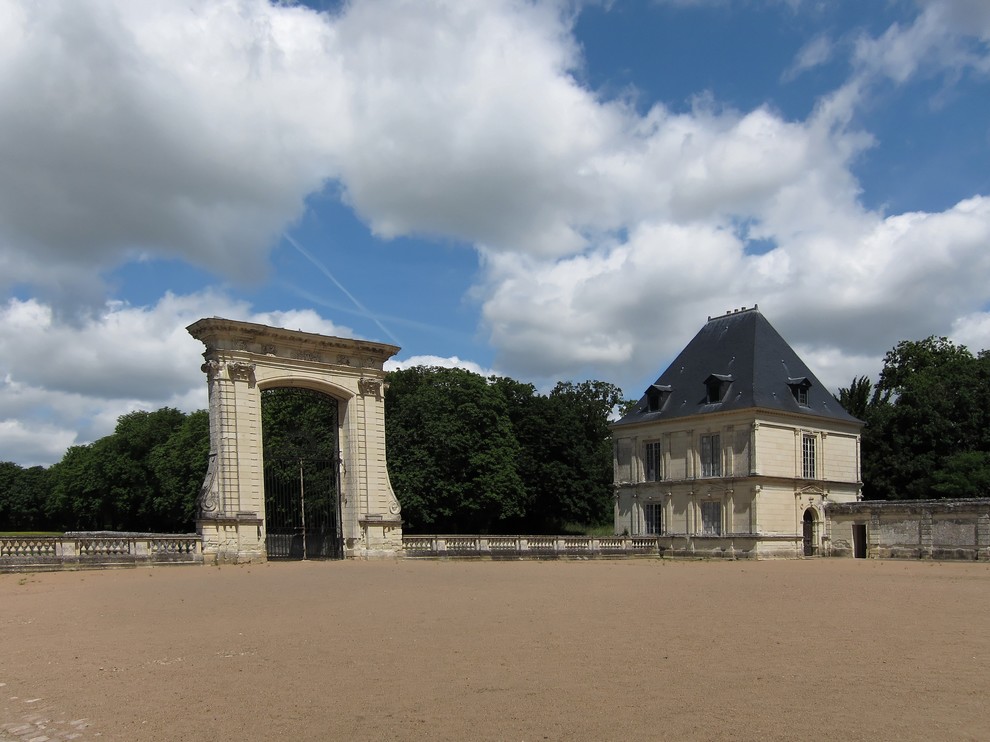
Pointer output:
911, 529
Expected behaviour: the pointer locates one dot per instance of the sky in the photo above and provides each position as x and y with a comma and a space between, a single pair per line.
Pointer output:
542, 190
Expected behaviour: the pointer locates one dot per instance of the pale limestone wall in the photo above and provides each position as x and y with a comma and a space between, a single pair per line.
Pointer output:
778, 441
677, 454
762, 493
740, 440
242, 359
914, 529
776, 447
841, 456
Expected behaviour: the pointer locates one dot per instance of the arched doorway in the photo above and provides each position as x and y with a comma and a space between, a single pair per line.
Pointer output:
300, 434
810, 532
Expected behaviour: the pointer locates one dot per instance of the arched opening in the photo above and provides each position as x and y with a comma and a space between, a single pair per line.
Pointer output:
810, 523
300, 432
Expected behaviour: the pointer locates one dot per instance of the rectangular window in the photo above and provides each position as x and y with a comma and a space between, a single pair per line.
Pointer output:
652, 462
711, 519
653, 517
711, 455
808, 456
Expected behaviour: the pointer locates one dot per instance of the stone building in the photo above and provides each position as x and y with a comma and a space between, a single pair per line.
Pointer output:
736, 449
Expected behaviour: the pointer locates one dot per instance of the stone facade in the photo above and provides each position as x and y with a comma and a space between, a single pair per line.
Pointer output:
915, 529
241, 360
757, 505
736, 450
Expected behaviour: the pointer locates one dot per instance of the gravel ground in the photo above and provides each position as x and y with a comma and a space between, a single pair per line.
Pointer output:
458, 650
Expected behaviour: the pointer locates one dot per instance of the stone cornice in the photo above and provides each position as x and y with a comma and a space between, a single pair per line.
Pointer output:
219, 334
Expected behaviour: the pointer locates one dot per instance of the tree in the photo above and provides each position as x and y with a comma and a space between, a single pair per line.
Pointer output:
77, 498
23, 494
965, 474
934, 406
452, 451
114, 483
861, 398
469, 454
179, 466
577, 452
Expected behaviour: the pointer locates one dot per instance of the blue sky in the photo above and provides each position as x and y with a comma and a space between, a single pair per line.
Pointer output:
544, 190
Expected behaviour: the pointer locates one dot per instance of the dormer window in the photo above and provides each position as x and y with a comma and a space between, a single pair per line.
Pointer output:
799, 389
716, 386
656, 395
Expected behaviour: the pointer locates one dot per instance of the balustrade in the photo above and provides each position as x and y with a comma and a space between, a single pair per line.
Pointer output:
529, 546
75, 550
29, 547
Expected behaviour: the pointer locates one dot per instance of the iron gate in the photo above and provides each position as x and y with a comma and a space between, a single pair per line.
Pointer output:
302, 509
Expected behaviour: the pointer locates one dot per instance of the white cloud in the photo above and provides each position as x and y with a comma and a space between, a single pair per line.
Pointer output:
197, 130
397, 364
972, 330
191, 130
813, 54
34, 445
947, 35
68, 383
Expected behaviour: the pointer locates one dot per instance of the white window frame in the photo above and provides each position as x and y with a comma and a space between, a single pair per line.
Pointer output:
710, 453
809, 456
652, 461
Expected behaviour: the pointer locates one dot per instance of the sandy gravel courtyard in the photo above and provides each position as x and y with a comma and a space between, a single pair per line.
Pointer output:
594, 650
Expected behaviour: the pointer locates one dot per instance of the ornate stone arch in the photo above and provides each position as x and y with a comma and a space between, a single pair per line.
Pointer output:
243, 358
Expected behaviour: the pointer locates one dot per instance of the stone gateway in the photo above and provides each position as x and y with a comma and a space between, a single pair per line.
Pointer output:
244, 359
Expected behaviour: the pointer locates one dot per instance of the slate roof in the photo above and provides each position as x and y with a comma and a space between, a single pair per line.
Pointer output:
742, 357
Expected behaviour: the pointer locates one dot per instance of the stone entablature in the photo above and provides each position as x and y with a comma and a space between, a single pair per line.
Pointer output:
244, 358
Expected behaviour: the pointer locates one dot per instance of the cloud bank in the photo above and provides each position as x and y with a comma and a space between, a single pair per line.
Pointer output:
607, 233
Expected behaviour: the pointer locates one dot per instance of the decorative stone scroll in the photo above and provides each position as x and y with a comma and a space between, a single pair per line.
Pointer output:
241, 360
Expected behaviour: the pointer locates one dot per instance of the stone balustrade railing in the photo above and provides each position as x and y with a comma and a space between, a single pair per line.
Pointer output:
533, 547
101, 549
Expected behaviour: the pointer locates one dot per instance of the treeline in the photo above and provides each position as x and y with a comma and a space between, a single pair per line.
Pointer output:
145, 476
483, 455
466, 454
927, 431
474, 455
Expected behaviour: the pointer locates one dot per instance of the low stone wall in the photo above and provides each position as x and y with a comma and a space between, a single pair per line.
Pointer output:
530, 547
911, 529
97, 550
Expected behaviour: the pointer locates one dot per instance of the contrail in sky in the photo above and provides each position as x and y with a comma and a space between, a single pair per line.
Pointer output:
326, 272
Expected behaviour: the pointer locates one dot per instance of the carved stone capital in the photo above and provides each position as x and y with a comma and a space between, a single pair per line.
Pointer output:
370, 388
240, 370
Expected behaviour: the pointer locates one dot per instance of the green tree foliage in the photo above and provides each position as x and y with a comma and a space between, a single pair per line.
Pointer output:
575, 483
23, 495
143, 477
466, 454
179, 465
928, 422
965, 474
547, 458
299, 424
452, 453
861, 398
